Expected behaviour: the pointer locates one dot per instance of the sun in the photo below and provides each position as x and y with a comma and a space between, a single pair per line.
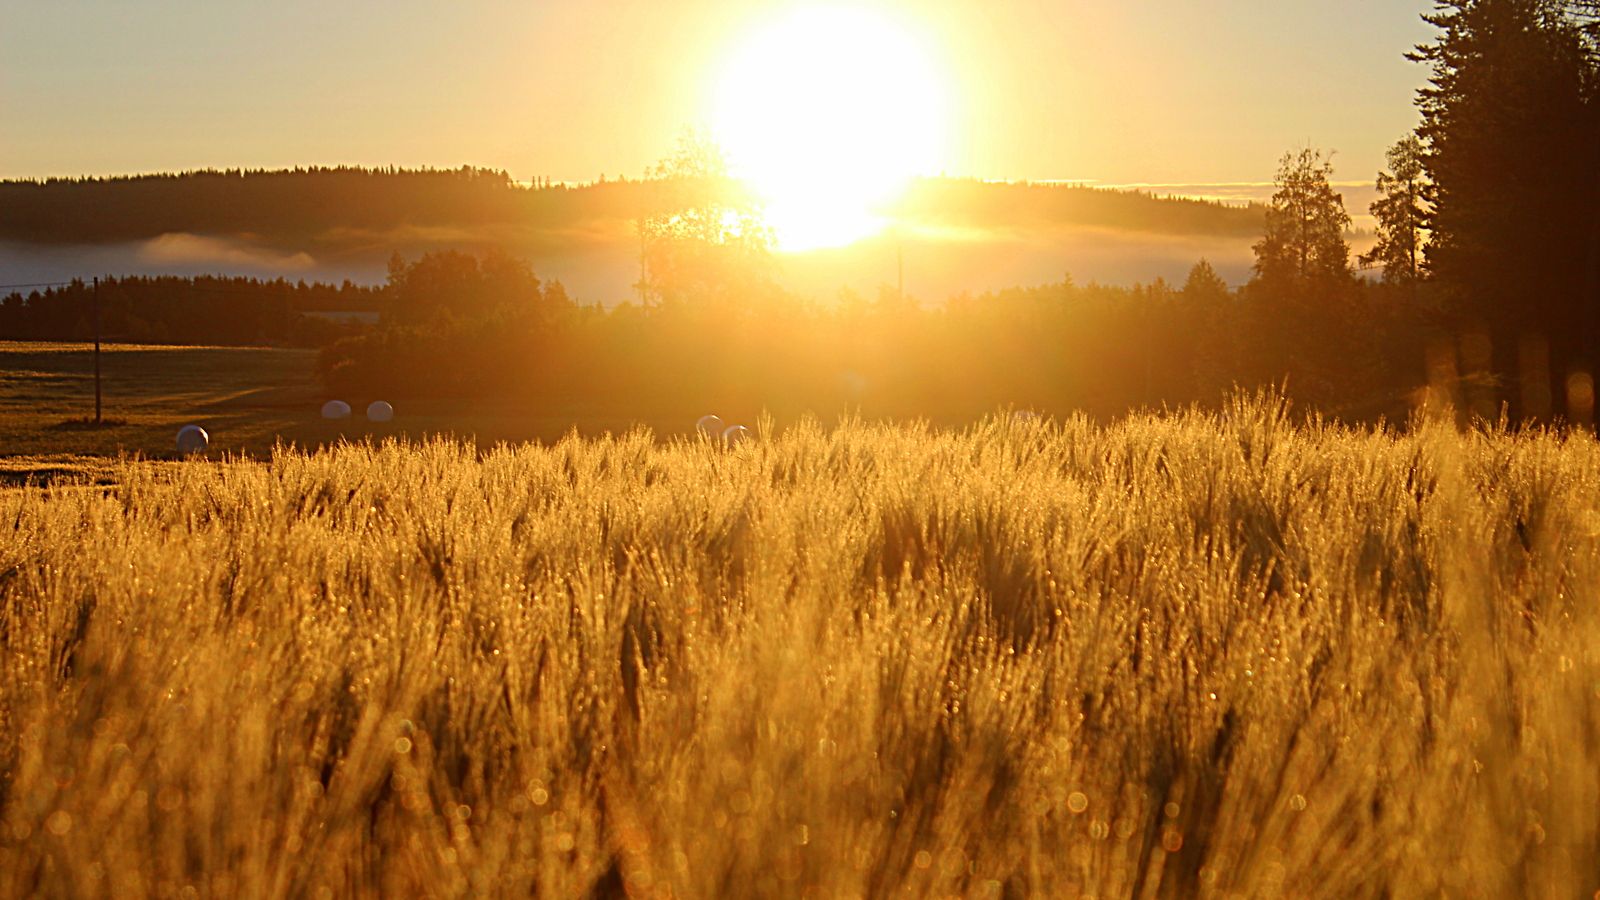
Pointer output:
827, 113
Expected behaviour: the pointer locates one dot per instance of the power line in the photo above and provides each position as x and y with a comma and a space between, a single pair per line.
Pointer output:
37, 284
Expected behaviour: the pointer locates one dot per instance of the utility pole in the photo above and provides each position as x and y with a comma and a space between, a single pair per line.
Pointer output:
900, 268
644, 268
96, 349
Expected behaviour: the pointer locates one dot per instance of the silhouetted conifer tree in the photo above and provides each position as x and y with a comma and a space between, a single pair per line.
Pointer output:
1401, 211
1512, 129
1211, 305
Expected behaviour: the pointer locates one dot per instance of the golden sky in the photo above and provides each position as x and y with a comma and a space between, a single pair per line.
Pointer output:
1166, 91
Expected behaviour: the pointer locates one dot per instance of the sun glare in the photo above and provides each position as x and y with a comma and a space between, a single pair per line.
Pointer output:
828, 113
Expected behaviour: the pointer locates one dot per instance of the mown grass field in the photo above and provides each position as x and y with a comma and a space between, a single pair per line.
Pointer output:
248, 399
242, 395
1188, 655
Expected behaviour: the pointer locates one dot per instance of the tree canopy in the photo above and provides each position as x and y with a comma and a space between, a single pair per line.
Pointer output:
1511, 127
1402, 214
1304, 244
705, 241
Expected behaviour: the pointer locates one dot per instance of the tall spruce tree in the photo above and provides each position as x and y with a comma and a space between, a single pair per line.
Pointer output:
1512, 130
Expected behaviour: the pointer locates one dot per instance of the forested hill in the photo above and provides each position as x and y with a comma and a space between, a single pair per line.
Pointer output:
342, 204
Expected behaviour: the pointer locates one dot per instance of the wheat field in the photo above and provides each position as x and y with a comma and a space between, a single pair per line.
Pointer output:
1191, 654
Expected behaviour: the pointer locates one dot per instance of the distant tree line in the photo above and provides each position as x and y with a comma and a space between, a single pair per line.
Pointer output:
328, 207
1056, 348
180, 310
295, 205
974, 203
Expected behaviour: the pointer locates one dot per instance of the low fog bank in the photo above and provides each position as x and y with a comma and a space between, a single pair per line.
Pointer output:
601, 264
955, 237
181, 255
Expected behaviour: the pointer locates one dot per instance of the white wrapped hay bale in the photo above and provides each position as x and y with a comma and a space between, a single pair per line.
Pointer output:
710, 426
193, 439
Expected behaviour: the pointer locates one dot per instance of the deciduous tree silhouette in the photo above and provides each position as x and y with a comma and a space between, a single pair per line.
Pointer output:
706, 242
449, 284
1304, 244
